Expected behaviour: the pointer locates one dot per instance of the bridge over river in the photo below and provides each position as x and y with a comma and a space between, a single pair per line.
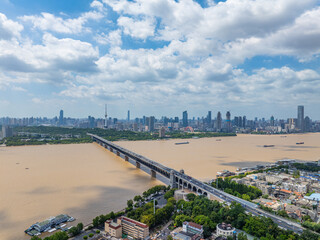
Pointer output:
178, 179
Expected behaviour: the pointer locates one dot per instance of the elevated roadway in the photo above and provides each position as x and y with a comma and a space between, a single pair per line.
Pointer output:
181, 180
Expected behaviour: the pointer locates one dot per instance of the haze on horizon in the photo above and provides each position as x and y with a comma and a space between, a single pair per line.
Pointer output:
250, 57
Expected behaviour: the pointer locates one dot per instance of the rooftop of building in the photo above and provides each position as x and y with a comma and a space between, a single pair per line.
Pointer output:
192, 224
135, 222
225, 226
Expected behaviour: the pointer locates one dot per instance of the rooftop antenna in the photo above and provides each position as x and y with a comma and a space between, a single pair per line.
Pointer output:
106, 117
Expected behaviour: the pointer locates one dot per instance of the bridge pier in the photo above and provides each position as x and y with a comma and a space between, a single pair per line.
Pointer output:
138, 165
153, 173
126, 158
111, 149
118, 153
173, 183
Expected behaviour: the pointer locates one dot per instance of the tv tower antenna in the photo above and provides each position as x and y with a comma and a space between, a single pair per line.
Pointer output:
106, 117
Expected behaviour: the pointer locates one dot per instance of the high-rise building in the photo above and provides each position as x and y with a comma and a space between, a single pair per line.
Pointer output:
272, 121
219, 122
244, 121
6, 131
228, 116
151, 123
162, 132
209, 119
61, 118
128, 118
185, 119
300, 119
307, 124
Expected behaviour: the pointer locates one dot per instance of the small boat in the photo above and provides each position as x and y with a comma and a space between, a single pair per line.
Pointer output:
298, 143
268, 145
218, 140
181, 143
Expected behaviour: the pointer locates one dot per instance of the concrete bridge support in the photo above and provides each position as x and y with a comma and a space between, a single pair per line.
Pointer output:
173, 183
126, 158
111, 149
118, 154
153, 173
137, 164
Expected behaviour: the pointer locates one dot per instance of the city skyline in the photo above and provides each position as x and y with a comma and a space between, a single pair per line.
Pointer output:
159, 57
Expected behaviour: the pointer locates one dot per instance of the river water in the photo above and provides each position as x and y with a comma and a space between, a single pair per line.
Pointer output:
81, 180
86, 180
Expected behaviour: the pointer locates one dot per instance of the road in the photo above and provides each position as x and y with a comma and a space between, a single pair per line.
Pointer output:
249, 206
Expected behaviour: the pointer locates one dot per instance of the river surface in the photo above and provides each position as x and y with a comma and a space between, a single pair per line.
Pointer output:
81, 180
203, 157
86, 180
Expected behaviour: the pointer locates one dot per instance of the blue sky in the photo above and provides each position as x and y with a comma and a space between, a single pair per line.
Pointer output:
161, 57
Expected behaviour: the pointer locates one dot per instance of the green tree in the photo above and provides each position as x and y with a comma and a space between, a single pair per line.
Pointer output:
246, 197
242, 236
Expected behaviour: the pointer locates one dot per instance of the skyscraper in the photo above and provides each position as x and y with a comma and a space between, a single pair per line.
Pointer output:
128, 119
61, 118
300, 119
209, 119
272, 121
185, 119
219, 121
151, 123
228, 116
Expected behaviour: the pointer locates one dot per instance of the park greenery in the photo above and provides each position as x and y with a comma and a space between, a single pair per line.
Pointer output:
239, 190
39, 135
201, 210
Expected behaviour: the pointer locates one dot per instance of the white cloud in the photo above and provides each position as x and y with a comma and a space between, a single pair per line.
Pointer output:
137, 28
112, 39
9, 28
49, 22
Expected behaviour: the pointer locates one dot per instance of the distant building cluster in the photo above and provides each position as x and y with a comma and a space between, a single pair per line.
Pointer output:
219, 123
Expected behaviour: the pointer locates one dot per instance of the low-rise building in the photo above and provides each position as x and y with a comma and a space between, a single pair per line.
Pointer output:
193, 228
113, 229
133, 228
226, 230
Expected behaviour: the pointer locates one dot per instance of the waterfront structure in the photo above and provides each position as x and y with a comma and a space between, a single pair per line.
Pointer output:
7, 131
113, 229
133, 228
185, 119
193, 228
47, 224
300, 119
224, 229
219, 122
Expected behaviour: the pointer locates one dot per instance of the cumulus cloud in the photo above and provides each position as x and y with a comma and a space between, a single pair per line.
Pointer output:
137, 28
50, 22
9, 28
112, 39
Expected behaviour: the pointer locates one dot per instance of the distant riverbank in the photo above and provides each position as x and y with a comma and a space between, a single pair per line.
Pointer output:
58, 135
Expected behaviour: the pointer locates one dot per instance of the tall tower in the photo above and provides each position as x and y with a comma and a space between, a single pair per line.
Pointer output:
209, 119
185, 119
105, 117
272, 121
300, 120
219, 121
128, 118
228, 116
61, 118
